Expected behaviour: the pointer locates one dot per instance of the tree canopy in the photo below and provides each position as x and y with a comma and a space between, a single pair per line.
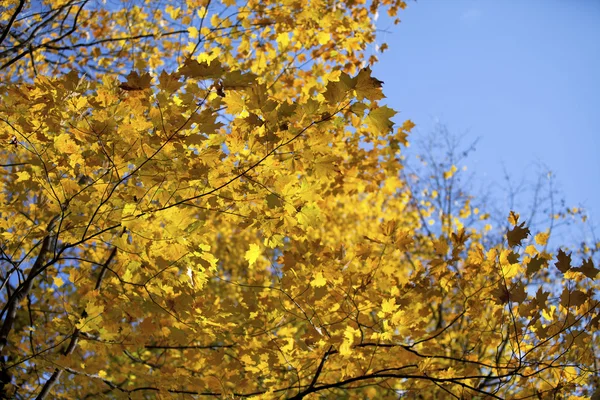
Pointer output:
207, 199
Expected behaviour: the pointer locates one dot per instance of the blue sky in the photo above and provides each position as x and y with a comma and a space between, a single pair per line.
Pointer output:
521, 75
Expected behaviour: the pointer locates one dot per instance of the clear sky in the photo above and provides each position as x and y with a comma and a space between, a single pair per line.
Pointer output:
524, 76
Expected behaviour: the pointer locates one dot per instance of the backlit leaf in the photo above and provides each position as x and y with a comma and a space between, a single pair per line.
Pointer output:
378, 120
252, 254
318, 280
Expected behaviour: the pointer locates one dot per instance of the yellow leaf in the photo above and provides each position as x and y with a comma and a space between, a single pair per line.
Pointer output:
349, 334
388, 306
129, 210
283, 39
379, 120
65, 144
531, 250
193, 32
319, 280
323, 38
425, 364
542, 238
172, 11
252, 254
367, 86
450, 173
408, 125
23, 176
513, 218
510, 270
309, 215
58, 282
549, 314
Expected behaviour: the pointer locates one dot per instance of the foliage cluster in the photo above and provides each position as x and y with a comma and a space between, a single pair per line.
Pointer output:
208, 199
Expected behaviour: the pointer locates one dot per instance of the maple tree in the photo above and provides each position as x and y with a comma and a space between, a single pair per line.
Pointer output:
208, 199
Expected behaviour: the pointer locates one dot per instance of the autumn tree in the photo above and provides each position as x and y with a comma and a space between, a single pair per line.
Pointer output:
204, 199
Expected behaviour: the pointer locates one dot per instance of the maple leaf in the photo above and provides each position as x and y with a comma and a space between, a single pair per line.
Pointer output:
388, 306
517, 234
515, 294
136, 82
587, 268
23, 176
169, 82
336, 92
563, 261
58, 281
535, 264
204, 70
273, 200
407, 126
368, 86
573, 298
65, 144
326, 165
403, 241
501, 294
513, 257
389, 228
318, 280
283, 39
252, 254
378, 120
238, 80
309, 215
513, 218
323, 37
542, 238
541, 297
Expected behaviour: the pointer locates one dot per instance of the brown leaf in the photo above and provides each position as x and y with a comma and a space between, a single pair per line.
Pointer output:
237, 80
535, 264
564, 261
169, 82
136, 82
501, 294
517, 293
518, 233
459, 238
513, 257
541, 297
572, 299
587, 268
194, 69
